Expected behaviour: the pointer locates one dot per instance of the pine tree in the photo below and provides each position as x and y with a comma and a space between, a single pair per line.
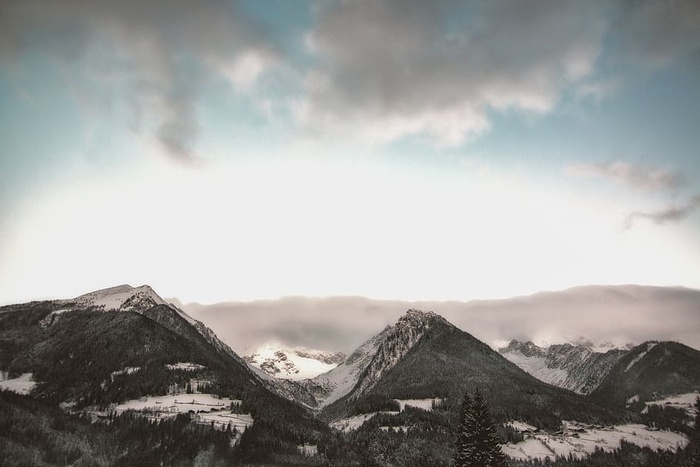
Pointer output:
477, 440
694, 446
466, 445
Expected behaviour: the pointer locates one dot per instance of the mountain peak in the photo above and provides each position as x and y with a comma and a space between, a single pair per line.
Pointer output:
420, 319
529, 348
121, 297
283, 362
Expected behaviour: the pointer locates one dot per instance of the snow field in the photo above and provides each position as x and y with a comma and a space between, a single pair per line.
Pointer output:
185, 366
207, 408
636, 359
124, 371
355, 422
425, 404
521, 426
682, 401
581, 440
114, 298
23, 384
537, 367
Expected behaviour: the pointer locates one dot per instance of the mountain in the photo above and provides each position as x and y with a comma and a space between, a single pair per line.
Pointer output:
390, 343
578, 368
293, 363
124, 343
423, 356
651, 371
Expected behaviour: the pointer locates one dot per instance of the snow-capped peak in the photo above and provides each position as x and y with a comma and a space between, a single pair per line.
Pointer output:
293, 363
419, 319
529, 348
395, 343
122, 297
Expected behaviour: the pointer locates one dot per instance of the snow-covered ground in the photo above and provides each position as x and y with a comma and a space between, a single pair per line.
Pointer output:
425, 404
124, 371
356, 421
114, 298
537, 367
185, 366
650, 345
292, 363
521, 426
21, 385
580, 440
682, 401
208, 408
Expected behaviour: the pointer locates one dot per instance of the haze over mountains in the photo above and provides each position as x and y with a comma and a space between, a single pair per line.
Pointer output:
616, 315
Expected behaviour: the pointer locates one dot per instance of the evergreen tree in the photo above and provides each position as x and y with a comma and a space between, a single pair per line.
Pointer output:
466, 445
477, 441
694, 446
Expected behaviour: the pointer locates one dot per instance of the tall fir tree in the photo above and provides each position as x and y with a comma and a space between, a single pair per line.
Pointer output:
694, 446
477, 440
465, 440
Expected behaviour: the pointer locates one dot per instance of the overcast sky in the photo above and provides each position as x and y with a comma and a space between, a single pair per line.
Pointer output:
406, 150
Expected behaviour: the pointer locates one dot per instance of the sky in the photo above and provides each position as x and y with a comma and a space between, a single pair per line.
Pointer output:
398, 150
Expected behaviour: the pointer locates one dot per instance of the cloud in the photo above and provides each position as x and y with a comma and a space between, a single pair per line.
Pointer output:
634, 176
663, 216
657, 32
391, 69
159, 51
621, 314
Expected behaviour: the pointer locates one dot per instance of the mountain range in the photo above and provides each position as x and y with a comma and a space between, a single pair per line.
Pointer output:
111, 348
126, 343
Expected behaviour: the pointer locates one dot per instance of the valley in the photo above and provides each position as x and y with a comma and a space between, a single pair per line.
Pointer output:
123, 359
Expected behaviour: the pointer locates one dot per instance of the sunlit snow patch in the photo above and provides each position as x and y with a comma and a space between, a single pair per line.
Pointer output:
185, 366
207, 408
21, 385
356, 421
650, 345
579, 440
537, 367
682, 401
425, 404
521, 426
124, 371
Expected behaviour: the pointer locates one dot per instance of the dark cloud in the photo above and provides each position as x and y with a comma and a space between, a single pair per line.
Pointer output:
657, 32
621, 314
154, 48
635, 176
390, 69
439, 68
663, 216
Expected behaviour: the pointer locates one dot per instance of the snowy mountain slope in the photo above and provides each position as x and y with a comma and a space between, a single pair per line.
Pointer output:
358, 373
143, 300
424, 356
397, 341
122, 297
574, 367
293, 363
125, 343
650, 371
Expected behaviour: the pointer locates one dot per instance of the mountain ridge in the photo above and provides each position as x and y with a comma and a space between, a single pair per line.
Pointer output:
574, 367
